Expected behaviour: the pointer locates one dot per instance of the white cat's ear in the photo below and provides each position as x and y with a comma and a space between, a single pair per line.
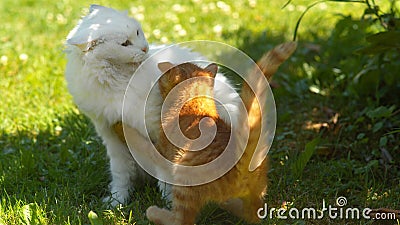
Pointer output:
95, 7
79, 38
83, 45
86, 33
165, 66
213, 68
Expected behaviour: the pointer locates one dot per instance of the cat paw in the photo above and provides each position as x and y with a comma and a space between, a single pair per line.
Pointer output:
115, 200
111, 202
159, 216
152, 214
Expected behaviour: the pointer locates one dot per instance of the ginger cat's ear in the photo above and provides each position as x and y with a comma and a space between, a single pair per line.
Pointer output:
168, 80
165, 66
213, 68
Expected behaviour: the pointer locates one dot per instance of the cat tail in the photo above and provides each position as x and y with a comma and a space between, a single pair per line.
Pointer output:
270, 61
258, 102
268, 64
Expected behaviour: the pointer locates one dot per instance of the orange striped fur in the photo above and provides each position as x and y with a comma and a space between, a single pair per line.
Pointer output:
239, 190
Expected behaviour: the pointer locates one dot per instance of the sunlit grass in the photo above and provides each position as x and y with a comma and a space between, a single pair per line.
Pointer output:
32, 61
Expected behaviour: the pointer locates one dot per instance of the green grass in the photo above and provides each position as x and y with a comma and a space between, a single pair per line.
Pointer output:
53, 168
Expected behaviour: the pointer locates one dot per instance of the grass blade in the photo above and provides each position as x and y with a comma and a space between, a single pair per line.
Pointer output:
301, 162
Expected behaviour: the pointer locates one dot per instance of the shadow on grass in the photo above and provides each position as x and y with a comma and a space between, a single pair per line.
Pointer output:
62, 168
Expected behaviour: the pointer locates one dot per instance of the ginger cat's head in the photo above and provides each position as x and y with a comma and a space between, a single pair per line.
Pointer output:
173, 75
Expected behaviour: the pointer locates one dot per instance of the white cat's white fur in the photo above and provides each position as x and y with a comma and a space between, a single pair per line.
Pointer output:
103, 52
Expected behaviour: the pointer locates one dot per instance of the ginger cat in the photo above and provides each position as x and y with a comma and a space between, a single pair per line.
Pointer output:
188, 200
240, 190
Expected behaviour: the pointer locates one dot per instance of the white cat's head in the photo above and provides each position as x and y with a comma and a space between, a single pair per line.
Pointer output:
110, 34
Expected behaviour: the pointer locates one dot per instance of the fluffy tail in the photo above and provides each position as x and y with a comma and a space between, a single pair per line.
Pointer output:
258, 101
271, 60
268, 65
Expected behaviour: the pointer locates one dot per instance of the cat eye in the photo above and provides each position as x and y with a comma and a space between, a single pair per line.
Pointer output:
126, 43
137, 32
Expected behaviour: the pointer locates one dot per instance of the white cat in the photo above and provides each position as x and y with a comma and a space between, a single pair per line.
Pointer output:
103, 52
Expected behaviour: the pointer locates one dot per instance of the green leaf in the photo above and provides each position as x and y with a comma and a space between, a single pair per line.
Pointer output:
301, 162
374, 49
371, 164
94, 219
381, 42
377, 126
383, 141
387, 38
380, 112
360, 136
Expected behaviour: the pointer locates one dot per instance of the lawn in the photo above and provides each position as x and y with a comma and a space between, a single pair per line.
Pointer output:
338, 112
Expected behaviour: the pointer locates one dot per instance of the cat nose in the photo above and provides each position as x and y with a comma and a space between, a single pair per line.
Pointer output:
145, 49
